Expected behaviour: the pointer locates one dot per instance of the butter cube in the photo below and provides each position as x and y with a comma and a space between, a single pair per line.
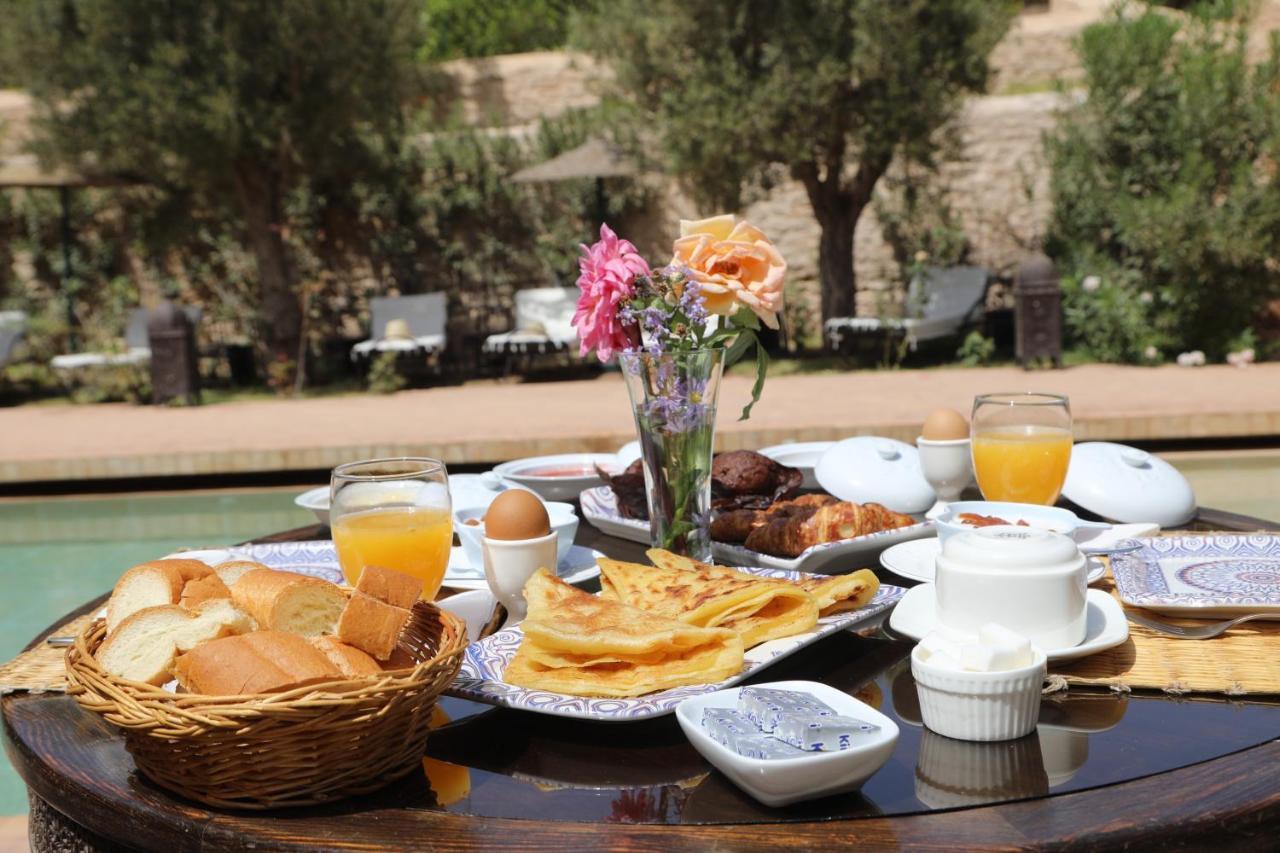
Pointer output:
976, 657
946, 660
1010, 650
934, 643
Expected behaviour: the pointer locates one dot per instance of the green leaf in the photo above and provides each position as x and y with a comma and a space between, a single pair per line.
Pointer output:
762, 368
736, 350
745, 318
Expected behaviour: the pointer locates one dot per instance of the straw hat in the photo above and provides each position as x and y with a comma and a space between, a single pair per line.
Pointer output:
397, 330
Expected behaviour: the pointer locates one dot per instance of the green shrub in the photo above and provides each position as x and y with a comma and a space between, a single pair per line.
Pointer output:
1164, 185
384, 376
976, 349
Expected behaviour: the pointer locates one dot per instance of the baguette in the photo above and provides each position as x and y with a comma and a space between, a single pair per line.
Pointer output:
146, 585
260, 662
391, 587
143, 646
207, 588
232, 570
371, 625
352, 662
284, 601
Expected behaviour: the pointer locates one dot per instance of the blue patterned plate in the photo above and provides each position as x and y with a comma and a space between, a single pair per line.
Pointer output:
480, 678
1202, 575
600, 508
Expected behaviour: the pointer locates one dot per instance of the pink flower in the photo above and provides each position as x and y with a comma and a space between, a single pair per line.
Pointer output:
607, 280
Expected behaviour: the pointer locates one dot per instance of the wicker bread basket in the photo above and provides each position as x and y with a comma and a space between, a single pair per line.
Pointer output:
310, 745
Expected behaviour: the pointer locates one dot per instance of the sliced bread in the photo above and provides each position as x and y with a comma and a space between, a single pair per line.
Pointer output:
352, 662
260, 662
284, 601
207, 588
389, 586
147, 585
232, 570
143, 646
371, 625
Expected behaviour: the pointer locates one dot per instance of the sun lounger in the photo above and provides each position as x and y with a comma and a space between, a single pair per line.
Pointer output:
940, 304
137, 344
13, 325
543, 323
425, 316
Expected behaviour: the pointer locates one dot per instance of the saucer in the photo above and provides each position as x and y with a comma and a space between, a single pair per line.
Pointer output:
915, 560
916, 615
578, 565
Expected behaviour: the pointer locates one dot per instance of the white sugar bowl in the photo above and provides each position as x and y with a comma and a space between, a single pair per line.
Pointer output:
1030, 580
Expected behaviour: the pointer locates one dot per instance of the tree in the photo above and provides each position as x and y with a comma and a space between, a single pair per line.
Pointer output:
829, 91
234, 103
1164, 185
470, 28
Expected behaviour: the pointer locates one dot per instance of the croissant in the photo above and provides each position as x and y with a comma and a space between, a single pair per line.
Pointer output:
736, 525
791, 536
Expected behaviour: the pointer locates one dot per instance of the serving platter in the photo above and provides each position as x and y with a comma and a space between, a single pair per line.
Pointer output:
317, 558
1211, 576
600, 509
480, 678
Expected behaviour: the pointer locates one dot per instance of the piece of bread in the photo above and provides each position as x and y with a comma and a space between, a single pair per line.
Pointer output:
260, 662
371, 625
203, 589
351, 661
189, 569
232, 570
284, 601
143, 646
391, 587
146, 585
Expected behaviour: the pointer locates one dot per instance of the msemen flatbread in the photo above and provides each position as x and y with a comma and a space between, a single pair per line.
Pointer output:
834, 593
759, 609
584, 645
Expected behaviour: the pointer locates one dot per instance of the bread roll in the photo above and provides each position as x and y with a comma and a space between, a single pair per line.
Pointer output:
391, 587
284, 601
143, 646
146, 585
260, 662
232, 570
372, 625
351, 661
202, 589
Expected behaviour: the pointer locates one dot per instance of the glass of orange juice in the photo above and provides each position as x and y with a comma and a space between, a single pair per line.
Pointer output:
1021, 446
393, 513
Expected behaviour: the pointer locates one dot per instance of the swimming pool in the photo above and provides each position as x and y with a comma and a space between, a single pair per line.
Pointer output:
57, 553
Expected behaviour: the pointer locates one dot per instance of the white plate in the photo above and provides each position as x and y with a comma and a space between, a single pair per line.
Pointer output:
317, 501
600, 508
557, 488
917, 615
915, 560
779, 781
1203, 576
480, 678
578, 565
803, 455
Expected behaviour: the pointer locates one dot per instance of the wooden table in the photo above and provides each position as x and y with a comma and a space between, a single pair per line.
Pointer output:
1159, 773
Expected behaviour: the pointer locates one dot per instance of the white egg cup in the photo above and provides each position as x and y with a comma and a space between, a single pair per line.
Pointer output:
508, 565
1030, 580
947, 467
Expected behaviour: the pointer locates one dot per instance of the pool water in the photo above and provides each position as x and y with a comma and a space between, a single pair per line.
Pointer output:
58, 553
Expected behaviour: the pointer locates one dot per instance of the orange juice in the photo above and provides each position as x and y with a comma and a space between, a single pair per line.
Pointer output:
1022, 464
413, 540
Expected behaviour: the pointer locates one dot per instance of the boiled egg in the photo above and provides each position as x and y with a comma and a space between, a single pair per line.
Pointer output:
945, 425
516, 514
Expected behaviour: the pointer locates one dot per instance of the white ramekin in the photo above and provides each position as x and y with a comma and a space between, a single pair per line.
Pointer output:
980, 706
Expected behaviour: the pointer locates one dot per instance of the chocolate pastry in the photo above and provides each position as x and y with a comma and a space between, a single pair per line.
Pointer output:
628, 488
744, 479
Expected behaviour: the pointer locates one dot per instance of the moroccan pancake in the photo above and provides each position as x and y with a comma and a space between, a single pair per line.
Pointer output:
584, 645
759, 609
834, 593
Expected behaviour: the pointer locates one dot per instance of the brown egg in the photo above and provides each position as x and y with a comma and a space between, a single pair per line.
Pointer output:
516, 514
945, 425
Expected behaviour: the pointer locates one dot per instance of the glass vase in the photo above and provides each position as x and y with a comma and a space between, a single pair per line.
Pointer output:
673, 397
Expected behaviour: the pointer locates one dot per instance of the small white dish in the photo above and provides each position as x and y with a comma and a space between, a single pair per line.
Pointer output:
579, 565
317, 501
564, 523
780, 781
1106, 627
1050, 518
477, 489
627, 454
1104, 539
209, 556
979, 706
803, 455
877, 469
917, 560
560, 477
475, 607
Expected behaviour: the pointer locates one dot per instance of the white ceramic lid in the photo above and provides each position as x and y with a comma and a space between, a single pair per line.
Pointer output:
1010, 548
871, 468
1128, 485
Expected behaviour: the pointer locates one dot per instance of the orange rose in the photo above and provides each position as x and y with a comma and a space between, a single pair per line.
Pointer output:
734, 265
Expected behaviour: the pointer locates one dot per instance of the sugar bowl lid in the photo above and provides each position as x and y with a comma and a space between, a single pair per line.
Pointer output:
1008, 547
872, 468
1126, 484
